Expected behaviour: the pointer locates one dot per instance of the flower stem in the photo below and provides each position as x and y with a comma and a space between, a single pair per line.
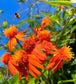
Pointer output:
45, 79
19, 42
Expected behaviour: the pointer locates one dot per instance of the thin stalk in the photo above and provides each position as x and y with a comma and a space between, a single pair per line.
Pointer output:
65, 81
52, 82
19, 42
45, 79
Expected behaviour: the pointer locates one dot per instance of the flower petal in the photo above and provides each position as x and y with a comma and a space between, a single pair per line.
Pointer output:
35, 63
34, 69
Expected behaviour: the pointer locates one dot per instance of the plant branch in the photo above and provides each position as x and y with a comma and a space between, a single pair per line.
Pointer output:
19, 42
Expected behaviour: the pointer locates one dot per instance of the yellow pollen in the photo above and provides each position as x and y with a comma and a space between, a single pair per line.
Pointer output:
66, 51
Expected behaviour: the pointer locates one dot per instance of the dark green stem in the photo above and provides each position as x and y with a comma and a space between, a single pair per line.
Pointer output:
52, 82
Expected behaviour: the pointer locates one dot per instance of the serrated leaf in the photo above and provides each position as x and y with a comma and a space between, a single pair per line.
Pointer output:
27, 20
58, 3
14, 79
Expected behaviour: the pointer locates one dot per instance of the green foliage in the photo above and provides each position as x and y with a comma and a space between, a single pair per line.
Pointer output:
14, 79
4, 24
58, 3
27, 20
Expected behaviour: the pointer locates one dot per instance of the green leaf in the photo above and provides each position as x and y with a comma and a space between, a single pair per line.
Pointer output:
74, 76
73, 28
31, 81
14, 79
4, 24
1, 78
58, 3
74, 62
27, 20
1, 11
53, 18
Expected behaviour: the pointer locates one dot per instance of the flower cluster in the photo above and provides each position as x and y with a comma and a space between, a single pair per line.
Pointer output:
31, 56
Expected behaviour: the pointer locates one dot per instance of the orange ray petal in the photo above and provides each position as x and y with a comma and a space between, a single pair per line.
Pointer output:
20, 36
53, 35
13, 69
34, 69
33, 57
23, 31
35, 63
50, 65
32, 73
38, 54
12, 42
55, 58
57, 66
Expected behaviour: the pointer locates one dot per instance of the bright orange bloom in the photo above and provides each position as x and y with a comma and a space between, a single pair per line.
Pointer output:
13, 36
45, 22
47, 45
63, 54
36, 30
5, 58
33, 49
20, 63
26, 63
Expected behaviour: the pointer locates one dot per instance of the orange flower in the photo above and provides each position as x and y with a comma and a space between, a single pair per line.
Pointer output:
13, 36
34, 49
5, 58
63, 54
45, 22
36, 30
44, 37
61, 7
20, 63
34, 37
25, 63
